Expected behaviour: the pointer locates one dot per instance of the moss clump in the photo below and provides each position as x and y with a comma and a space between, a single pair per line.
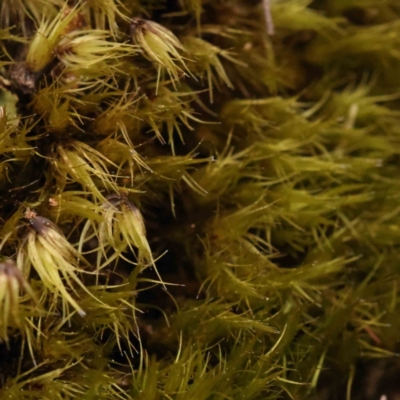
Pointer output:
199, 199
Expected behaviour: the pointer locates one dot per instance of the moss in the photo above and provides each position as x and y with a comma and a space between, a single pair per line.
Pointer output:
199, 199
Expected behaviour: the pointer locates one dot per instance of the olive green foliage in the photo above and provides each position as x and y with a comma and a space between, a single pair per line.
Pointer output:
199, 199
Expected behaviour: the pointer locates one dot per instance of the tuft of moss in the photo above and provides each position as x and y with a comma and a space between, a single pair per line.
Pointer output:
199, 199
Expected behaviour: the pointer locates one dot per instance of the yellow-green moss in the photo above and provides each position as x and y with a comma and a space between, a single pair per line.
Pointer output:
198, 202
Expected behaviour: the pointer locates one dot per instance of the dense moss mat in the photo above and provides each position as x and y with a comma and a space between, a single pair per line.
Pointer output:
192, 208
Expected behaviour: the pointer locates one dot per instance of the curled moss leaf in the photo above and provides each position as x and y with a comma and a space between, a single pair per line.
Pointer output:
161, 46
54, 259
43, 45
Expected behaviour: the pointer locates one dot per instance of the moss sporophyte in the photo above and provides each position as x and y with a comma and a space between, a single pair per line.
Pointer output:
199, 199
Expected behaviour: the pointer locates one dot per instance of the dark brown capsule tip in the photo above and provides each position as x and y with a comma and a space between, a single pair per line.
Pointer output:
41, 225
8, 267
135, 24
112, 201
